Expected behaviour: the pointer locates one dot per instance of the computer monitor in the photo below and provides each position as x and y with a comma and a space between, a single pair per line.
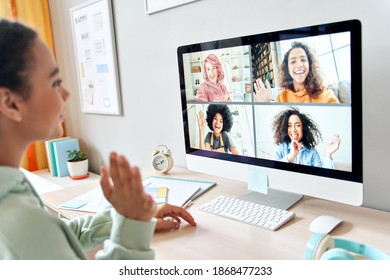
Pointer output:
277, 138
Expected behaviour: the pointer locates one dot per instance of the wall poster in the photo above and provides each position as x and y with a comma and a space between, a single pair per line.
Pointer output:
95, 50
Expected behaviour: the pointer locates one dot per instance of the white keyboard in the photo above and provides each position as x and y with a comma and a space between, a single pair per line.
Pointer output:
259, 215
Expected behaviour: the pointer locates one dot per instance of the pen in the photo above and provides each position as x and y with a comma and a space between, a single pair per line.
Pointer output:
187, 204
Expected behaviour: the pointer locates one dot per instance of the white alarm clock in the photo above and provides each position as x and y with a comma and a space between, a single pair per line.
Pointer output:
162, 160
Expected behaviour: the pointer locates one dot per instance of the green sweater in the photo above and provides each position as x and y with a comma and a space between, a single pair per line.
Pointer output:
28, 231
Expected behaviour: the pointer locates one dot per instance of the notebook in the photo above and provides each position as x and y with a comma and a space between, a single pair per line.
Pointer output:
170, 190
179, 190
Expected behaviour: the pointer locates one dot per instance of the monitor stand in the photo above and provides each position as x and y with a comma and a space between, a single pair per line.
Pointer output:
274, 198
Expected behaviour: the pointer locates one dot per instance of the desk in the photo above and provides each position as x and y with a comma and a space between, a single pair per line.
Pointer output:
220, 238
63, 189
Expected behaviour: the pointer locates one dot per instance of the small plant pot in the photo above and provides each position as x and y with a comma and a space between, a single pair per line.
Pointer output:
78, 169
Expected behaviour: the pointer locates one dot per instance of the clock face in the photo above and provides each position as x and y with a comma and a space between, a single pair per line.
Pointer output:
160, 162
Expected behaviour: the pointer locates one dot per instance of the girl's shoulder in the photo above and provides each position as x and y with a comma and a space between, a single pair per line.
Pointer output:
330, 96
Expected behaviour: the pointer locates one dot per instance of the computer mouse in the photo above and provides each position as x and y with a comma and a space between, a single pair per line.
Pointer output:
324, 224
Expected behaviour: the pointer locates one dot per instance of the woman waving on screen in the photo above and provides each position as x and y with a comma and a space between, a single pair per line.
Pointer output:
300, 79
220, 121
296, 136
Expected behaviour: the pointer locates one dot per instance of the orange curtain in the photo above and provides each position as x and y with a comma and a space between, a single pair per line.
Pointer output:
35, 14
6, 9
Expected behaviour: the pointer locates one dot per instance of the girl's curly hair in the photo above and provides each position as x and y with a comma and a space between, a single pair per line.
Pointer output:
311, 133
227, 116
313, 83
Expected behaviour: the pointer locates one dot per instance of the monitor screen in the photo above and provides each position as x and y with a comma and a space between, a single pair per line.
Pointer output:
281, 109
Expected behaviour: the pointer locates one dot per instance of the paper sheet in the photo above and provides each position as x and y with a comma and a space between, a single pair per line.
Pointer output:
178, 193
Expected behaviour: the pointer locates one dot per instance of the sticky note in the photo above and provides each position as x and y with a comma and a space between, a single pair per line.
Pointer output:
257, 179
162, 192
73, 204
159, 194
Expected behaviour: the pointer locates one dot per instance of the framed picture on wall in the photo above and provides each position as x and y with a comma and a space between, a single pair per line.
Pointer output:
153, 6
96, 58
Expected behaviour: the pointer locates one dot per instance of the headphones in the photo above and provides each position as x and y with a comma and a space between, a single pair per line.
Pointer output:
324, 247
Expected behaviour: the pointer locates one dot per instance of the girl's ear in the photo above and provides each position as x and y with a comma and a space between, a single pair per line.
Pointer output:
10, 104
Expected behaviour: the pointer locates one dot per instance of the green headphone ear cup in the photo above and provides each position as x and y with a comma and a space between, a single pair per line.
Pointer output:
324, 247
337, 254
324, 244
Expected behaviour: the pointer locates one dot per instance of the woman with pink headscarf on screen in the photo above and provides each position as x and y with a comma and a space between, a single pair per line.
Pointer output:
212, 89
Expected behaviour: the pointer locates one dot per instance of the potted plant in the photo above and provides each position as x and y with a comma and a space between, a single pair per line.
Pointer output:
77, 164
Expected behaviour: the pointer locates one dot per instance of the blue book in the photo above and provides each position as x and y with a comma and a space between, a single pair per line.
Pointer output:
60, 149
50, 154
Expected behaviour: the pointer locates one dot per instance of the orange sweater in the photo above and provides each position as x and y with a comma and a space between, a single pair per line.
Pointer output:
327, 96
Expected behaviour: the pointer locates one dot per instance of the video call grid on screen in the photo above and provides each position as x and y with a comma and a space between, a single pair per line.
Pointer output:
252, 129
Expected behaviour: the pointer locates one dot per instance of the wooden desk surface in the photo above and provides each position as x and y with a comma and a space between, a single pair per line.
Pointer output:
220, 238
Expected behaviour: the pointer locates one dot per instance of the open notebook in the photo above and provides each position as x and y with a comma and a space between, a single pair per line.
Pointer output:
173, 191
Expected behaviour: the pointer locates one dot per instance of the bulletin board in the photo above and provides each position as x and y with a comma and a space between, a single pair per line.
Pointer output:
96, 60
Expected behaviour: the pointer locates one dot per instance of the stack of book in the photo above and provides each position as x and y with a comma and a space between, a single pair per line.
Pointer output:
57, 155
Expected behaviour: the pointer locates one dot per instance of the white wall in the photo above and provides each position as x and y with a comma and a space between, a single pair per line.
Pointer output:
149, 76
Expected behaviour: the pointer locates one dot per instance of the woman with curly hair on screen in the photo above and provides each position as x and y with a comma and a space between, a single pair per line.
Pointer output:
300, 79
220, 121
213, 88
296, 136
